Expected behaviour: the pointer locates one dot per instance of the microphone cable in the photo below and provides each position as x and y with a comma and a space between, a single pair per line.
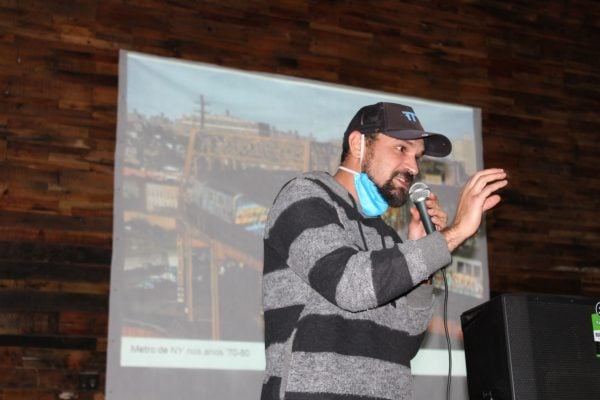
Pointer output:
418, 193
447, 332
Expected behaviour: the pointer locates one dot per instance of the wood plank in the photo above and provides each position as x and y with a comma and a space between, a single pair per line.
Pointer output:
15, 300
55, 253
48, 342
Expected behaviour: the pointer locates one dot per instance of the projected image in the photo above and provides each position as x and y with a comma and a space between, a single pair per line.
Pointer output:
201, 153
170, 261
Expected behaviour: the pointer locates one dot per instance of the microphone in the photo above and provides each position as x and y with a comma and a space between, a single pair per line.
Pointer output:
419, 192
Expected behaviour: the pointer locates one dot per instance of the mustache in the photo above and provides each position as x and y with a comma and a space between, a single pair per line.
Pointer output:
408, 177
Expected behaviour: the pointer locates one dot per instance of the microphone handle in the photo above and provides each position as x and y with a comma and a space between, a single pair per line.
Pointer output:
425, 218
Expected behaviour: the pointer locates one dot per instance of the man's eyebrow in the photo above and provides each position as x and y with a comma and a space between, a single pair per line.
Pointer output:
411, 143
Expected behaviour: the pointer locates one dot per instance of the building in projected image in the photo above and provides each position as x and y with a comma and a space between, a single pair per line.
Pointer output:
195, 223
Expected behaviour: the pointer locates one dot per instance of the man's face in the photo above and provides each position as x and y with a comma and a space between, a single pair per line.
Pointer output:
392, 164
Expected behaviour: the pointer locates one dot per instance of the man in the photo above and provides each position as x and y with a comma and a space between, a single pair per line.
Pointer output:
346, 301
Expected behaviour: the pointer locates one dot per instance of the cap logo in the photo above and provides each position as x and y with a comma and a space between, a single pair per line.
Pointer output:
410, 115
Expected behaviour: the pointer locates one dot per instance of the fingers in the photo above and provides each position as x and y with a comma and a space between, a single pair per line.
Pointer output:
486, 173
491, 202
432, 201
482, 185
492, 187
415, 214
439, 222
415, 227
482, 179
438, 216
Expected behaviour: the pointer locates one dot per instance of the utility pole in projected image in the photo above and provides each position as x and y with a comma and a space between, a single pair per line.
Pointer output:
186, 265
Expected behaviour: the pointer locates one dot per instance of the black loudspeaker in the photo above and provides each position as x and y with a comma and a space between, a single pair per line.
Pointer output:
532, 347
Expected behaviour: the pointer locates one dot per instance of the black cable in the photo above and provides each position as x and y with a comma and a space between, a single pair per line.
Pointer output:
449, 382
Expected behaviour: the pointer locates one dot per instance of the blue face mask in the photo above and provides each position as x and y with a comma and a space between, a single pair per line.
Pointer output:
371, 201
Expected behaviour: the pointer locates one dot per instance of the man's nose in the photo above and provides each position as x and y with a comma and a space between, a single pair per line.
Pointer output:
412, 167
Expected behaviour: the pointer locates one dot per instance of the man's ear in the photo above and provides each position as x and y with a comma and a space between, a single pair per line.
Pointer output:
354, 144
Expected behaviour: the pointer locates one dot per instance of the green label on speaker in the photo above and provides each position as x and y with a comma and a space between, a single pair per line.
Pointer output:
596, 328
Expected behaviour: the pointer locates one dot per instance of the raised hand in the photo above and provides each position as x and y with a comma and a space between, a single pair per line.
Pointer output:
477, 196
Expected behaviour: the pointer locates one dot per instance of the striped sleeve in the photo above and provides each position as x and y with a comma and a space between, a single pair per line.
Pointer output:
306, 230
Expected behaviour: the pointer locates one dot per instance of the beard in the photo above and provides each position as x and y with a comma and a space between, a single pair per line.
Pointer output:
394, 196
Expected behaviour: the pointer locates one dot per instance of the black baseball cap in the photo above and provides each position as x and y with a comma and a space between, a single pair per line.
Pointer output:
397, 121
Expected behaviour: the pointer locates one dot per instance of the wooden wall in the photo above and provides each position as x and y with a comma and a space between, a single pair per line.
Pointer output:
531, 66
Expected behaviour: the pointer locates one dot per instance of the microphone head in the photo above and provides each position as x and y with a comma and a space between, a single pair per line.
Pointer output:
419, 192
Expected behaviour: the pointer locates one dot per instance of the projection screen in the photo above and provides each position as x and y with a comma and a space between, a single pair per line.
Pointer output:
201, 152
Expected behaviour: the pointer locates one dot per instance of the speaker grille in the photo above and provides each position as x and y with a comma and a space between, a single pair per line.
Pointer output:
531, 347
549, 358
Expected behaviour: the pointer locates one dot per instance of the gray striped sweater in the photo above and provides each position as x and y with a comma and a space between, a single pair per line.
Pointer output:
344, 308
